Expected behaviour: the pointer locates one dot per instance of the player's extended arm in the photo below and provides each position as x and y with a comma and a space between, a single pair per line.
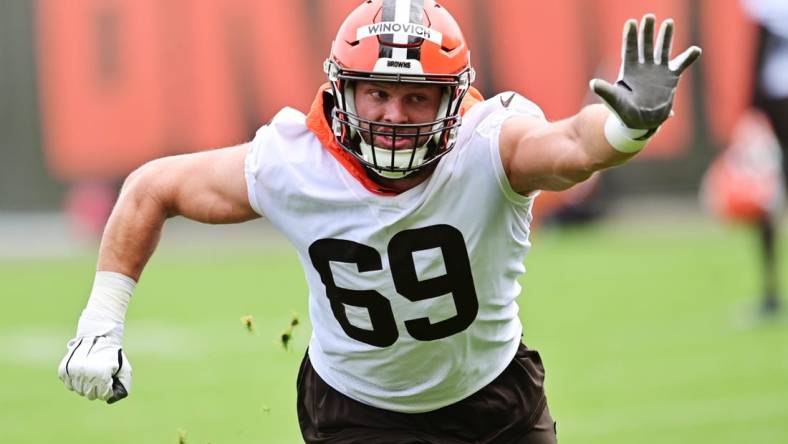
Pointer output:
554, 156
207, 187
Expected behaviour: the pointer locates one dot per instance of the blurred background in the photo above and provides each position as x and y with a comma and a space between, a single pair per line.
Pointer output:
92, 89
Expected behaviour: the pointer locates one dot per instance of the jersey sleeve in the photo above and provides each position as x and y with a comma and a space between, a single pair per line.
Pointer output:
502, 107
253, 167
265, 166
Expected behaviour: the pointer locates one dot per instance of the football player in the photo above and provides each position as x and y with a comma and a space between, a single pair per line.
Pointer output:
771, 96
408, 199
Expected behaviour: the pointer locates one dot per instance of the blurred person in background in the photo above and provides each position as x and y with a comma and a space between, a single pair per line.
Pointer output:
771, 96
408, 197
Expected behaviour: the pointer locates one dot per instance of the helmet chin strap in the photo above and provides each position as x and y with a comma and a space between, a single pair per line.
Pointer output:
401, 158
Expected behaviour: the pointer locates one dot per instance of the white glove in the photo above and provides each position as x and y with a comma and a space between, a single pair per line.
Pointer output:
642, 97
95, 365
96, 368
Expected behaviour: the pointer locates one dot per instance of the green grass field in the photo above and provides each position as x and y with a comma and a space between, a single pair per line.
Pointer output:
646, 334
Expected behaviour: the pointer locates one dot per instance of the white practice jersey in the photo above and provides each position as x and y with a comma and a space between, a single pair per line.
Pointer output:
411, 297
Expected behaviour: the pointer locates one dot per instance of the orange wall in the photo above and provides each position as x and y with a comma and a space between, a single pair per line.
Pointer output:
729, 55
122, 82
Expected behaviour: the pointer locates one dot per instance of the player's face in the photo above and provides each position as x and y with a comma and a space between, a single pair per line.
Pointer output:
397, 103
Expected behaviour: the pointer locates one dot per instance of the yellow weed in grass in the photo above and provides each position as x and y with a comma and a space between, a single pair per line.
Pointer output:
248, 322
287, 335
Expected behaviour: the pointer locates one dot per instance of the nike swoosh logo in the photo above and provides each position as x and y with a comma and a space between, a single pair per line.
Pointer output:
506, 102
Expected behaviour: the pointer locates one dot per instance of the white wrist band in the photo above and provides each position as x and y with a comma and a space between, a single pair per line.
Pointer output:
105, 312
623, 139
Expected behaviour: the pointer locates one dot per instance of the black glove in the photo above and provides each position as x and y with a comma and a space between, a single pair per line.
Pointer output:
642, 97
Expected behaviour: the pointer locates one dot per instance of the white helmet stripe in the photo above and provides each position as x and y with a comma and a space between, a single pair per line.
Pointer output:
401, 23
401, 15
402, 11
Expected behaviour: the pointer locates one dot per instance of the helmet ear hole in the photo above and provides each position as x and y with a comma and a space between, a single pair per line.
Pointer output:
349, 96
443, 112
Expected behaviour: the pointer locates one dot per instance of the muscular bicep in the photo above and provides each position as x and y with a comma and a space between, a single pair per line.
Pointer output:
207, 186
541, 155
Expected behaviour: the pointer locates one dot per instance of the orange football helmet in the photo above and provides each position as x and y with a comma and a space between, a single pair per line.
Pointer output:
745, 182
414, 41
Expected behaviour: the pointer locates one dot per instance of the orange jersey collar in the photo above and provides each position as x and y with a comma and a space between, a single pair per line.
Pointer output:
317, 122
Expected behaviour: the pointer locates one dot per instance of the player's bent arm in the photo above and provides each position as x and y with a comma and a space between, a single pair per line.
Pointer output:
207, 187
541, 155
